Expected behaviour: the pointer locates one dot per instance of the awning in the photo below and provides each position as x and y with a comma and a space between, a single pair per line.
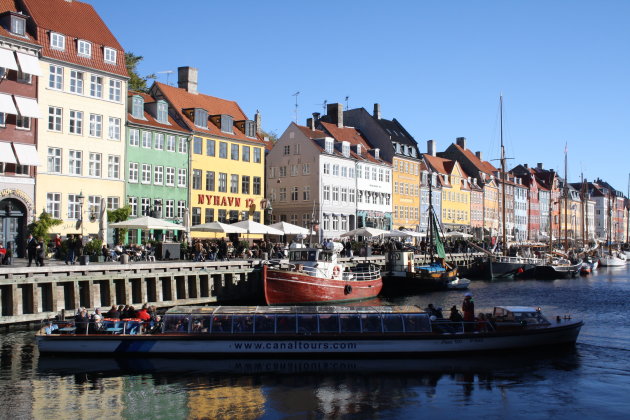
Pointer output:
6, 153
29, 64
6, 104
26, 154
7, 59
27, 107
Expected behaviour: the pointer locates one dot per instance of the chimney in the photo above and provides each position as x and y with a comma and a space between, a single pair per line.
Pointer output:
187, 79
310, 123
526, 166
316, 116
479, 155
431, 147
539, 166
461, 142
258, 122
335, 113
377, 111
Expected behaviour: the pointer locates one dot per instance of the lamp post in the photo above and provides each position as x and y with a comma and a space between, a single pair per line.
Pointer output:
81, 199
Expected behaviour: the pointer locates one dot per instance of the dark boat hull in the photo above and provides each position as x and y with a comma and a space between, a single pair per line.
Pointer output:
486, 268
418, 282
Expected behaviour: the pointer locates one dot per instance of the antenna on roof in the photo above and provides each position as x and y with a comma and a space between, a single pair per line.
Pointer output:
168, 73
347, 98
323, 104
296, 105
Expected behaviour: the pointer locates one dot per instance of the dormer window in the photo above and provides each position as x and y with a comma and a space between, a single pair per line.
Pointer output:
110, 55
250, 129
57, 41
162, 112
18, 25
398, 148
137, 107
201, 118
413, 152
84, 48
345, 149
226, 124
359, 150
377, 153
329, 145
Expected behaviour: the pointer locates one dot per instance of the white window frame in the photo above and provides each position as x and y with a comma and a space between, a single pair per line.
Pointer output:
95, 164
57, 41
170, 143
110, 55
96, 125
96, 86
113, 167
134, 137
146, 139
75, 162
55, 118
84, 48
115, 90
133, 172
75, 122
76, 82
55, 79
182, 147
158, 175
53, 204
182, 177
146, 174
169, 179
113, 132
54, 160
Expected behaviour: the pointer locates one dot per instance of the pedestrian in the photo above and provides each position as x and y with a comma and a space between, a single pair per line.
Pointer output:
31, 249
40, 252
70, 250
57, 246
468, 307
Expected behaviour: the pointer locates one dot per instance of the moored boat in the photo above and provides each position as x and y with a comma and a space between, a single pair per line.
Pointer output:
272, 331
459, 284
612, 260
404, 276
315, 275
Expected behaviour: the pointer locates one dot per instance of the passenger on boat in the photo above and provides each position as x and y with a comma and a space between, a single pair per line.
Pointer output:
50, 328
432, 310
468, 306
81, 321
455, 315
96, 321
113, 313
143, 313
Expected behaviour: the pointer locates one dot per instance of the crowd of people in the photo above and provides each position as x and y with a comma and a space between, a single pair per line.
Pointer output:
222, 250
146, 316
466, 317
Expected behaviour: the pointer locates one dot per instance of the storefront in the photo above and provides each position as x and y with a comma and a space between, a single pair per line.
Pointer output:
16, 210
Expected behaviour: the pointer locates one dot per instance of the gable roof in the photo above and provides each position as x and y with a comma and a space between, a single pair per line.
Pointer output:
481, 165
79, 20
149, 119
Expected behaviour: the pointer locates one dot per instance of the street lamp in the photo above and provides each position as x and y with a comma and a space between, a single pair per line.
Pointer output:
81, 199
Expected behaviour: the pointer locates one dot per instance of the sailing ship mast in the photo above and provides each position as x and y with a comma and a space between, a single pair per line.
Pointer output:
566, 202
431, 244
503, 181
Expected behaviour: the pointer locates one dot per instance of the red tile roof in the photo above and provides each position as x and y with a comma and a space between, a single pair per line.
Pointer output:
150, 121
311, 134
181, 99
11, 6
482, 165
75, 19
352, 136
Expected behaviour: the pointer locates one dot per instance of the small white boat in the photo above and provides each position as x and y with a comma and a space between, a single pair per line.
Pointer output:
613, 260
459, 284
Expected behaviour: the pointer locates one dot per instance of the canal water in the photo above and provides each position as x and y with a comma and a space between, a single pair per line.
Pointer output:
591, 381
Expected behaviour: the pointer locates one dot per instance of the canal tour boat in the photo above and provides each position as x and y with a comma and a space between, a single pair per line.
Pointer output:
315, 275
273, 331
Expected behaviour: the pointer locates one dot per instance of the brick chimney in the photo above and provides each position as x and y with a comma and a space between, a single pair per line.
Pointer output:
258, 122
461, 142
377, 111
187, 79
335, 113
539, 165
431, 147
310, 123
479, 155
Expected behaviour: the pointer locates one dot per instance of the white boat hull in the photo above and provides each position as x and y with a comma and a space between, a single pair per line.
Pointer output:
611, 261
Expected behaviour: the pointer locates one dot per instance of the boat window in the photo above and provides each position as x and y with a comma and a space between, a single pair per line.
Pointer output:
350, 323
176, 323
221, 323
307, 323
416, 323
392, 323
312, 255
325, 256
200, 324
329, 323
371, 323
285, 323
243, 323
264, 323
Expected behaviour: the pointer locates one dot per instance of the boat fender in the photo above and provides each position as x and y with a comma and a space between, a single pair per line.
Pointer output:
336, 271
347, 289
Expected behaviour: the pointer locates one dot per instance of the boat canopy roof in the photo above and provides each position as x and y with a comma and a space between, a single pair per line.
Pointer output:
518, 308
233, 310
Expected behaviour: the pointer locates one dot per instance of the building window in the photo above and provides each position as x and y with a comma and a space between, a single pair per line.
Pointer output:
344, 195
159, 141
181, 208
74, 207
170, 176
113, 167
294, 170
182, 178
133, 172
335, 222
283, 194
197, 145
115, 89
196, 179
183, 145
328, 146
84, 48
234, 184
112, 203
110, 55
133, 203
137, 107
53, 205
24, 77
226, 124
145, 206
54, 160
286, 150
201, 118
257, 158
57, 41
94, 165
335, 194
210, 180
96, 125
75, 162
245, 184
146, 173
94, 206
306, 193
157, 208
246, 150
282, 171
326, 192
96, 86
196, 216
158, 175
210, 147
170, 143
222, 182
234, 151
351, 195
209, 215
114, 128
222, 213
146, 139
23, 123
295, 193
162, 112
257, 186
76, 122
55, 78
134, 137
306, 169
170, 209
54, 118
223, 154
335, 170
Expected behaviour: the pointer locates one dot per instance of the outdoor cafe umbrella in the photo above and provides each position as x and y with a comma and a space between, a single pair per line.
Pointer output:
217, 227
257, 228
290, 229
147, 223
365, 231
396, 234
461, 235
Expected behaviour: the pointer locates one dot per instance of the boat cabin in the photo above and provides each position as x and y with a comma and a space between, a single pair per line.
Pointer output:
519, 316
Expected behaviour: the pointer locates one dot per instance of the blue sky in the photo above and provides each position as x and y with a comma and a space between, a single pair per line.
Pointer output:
437, 66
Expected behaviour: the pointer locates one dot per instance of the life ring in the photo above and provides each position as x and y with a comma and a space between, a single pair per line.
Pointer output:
347, 289
336, 271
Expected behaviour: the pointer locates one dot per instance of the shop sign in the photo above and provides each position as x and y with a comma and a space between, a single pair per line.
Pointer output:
216, 200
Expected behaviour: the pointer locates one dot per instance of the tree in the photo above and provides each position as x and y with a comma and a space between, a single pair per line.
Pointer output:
272, 135
119, 215
40, 228
136, 82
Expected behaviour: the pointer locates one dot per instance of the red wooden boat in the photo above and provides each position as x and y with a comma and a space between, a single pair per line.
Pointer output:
315, 276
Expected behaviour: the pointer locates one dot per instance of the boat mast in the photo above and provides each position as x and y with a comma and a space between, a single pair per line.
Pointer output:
566, 202
431, 245
582, 195
628, 211
503, 179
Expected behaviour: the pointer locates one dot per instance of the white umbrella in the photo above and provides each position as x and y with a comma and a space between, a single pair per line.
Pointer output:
290, 229
256, 228
146, 223
414, 233
457, 235
365, 231
217, 227
396, 234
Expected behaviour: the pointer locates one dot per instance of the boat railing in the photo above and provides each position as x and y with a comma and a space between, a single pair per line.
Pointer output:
354, 274
518, 260
128, 326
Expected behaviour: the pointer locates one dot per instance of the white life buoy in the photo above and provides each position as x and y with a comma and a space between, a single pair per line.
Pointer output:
336, 271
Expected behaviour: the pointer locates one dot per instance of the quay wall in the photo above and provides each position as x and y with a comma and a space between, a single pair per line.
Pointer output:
36, 293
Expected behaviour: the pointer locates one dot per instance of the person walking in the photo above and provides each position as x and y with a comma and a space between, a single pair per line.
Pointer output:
31, 249
70, 250
40, 253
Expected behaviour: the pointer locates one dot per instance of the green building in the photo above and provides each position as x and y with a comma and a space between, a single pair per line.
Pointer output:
157, 164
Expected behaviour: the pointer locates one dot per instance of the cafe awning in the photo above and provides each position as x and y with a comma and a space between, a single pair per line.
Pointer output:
6, 153
29, 64
26, 154
27, 107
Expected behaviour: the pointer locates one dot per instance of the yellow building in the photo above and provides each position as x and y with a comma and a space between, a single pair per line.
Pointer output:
82, 100
406, 196
227, 160
455, 192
